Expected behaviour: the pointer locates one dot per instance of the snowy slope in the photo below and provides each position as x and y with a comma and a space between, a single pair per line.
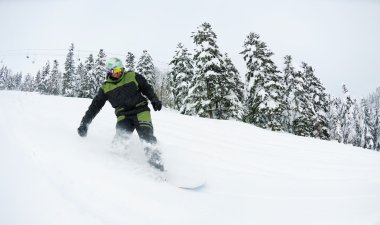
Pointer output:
49, 175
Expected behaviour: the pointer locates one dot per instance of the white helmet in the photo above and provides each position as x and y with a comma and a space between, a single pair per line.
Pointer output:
114, 63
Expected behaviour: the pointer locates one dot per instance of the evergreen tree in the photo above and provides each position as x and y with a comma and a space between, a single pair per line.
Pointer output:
100, 69
335, 120
346, 117
373, 98
211, 92
146, 68
181, 72
130, 62
81, 79
208, 62
163, 87
45, 76
69, 74
17, 79
265, 103
3, 72
7, 77
7, 80
2, 78
375, 129
234, 73
231, 91
27, 84
10, 81
55, 82
368, 124
77, 80
37, 84
318, 103
358, 139
372, 103
297, 104
89, 83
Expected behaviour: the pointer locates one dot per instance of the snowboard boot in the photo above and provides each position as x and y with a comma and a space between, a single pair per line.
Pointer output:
154, 158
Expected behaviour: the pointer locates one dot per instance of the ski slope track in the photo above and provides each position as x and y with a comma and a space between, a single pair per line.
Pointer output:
50, 175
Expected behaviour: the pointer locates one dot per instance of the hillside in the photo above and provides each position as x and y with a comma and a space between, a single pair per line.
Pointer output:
49, 175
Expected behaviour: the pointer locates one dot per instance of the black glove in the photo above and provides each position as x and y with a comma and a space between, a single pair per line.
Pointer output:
82, 130
157, 105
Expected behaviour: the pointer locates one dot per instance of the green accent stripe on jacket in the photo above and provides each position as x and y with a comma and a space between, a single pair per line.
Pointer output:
110, 84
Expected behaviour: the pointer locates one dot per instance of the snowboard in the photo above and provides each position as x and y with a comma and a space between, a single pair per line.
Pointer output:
182, 177
185, 181
180, 170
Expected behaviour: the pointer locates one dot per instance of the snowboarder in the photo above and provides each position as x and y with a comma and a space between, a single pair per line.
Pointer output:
125, 90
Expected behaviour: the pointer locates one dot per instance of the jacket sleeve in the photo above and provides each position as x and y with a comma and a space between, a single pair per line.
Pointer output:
146, 88
96, 105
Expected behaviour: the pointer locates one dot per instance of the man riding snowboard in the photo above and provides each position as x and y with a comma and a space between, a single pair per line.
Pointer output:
125, 91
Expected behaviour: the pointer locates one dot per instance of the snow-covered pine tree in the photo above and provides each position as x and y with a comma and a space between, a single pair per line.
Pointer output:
264, 103
89, 83
231, 91
45, 76
81, 76
69, 74
6, 77
346, 116
203, 92
373, 98
358, 139
78, 76
372, 104
318, 103
55, 81
100, 69
335, 120
17, 81
180, 74
368, 124
9, 81
27, 84
146, 68
37, 82
162, 88
296, 110
130, 62
231, 69
3, 72
2, 78
306, 122
375, 129
208, 94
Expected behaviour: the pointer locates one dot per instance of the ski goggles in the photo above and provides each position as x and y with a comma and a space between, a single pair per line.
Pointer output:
116, 73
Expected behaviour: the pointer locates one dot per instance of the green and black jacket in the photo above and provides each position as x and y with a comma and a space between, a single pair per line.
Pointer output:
125, 95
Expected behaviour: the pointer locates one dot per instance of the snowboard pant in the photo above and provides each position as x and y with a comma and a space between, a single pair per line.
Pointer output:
142, 122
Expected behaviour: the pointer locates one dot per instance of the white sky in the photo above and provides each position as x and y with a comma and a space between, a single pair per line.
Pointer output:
339, 38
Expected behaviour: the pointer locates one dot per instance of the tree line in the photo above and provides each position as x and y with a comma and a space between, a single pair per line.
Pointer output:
205, 83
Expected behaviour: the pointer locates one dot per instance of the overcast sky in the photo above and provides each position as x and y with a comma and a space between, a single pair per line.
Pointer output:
339, 38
